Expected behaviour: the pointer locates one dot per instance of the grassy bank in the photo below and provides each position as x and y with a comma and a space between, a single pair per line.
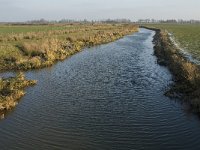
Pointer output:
11, 90
36, 46
186, 74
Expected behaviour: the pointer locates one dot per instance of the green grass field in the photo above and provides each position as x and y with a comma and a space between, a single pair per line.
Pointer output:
7, 29
186, 35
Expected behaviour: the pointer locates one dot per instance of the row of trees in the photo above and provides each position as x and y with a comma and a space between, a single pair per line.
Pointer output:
168, 21
43, 21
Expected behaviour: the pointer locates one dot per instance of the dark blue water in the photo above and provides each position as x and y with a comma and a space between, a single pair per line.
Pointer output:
109, 97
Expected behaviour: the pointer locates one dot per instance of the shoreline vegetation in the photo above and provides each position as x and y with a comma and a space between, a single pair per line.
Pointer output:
25, 47
11, 90
186, 74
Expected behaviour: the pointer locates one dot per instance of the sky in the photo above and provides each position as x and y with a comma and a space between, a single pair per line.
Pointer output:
23, 10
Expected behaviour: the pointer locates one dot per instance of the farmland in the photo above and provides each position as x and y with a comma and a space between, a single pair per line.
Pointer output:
186, 35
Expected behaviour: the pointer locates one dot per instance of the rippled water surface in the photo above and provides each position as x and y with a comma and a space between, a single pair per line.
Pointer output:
109, 97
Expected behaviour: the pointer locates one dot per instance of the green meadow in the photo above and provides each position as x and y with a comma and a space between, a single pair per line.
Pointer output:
186, 35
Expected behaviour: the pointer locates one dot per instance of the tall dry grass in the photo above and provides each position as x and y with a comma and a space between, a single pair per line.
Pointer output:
12, 89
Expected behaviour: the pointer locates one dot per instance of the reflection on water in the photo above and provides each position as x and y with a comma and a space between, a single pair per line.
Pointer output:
106, 97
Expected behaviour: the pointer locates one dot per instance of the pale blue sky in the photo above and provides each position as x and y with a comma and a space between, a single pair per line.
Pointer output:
22, 10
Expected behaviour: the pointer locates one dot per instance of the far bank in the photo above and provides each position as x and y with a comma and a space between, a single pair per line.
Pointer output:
186, 73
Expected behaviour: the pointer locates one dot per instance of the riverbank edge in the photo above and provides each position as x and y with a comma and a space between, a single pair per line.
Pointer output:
12, 90
10, 101
186, 74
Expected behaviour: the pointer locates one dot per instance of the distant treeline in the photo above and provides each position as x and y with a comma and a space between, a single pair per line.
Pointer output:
43, 21
179, 21
111, 21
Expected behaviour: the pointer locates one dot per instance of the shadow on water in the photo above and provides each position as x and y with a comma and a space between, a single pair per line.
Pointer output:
105, 97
